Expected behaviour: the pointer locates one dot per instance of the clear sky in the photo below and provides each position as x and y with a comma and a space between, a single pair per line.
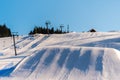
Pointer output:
81, 15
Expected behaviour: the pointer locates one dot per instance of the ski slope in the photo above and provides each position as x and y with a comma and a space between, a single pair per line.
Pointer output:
72, 56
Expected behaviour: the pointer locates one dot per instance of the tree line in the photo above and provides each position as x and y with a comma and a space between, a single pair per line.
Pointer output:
44, 30
5, 31
47, 30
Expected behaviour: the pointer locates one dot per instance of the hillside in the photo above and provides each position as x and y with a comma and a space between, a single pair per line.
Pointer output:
72, 56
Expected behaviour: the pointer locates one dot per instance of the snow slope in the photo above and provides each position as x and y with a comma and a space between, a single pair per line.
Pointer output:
72, 56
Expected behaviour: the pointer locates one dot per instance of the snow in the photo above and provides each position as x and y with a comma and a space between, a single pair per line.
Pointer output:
72, 56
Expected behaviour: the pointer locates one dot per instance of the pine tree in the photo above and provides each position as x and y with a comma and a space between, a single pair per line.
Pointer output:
4, 31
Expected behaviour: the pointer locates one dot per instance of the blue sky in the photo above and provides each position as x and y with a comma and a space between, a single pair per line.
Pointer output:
81, 15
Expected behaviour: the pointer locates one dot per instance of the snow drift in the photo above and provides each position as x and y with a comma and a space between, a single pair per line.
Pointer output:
75, 63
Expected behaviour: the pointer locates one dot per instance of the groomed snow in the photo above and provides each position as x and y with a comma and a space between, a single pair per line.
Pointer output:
72, 56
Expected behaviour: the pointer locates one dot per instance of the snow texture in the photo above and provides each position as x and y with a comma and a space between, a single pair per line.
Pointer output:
72, 56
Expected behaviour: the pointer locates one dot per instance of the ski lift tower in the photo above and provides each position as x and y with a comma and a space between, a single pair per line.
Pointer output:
67, 28
47, 23
61, 27
13, 35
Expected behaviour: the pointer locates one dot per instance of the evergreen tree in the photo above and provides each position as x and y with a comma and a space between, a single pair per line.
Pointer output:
4, 31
